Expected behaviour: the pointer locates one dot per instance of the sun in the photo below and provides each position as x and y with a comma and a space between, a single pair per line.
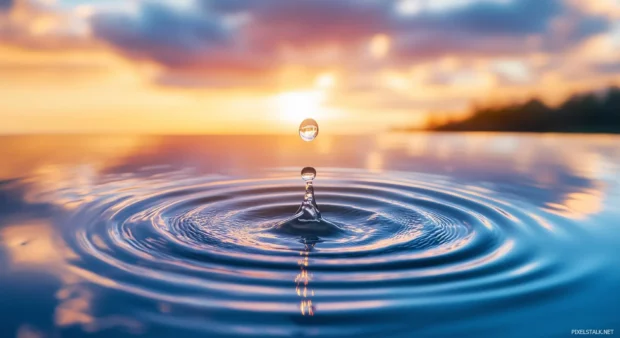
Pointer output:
299, 105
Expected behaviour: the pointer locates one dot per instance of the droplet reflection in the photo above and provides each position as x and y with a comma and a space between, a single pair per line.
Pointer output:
308, 130
308, 174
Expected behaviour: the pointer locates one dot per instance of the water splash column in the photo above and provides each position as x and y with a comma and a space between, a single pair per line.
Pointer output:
308, 210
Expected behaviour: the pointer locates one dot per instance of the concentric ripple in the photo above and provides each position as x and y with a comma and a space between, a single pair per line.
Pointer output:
409, 244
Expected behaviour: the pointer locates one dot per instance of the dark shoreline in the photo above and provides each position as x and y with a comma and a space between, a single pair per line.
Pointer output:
438, 131
589, 113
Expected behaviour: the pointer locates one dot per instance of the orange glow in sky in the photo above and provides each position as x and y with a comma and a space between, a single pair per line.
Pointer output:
111, 68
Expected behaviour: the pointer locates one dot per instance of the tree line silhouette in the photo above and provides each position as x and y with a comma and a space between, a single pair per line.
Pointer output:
585, 113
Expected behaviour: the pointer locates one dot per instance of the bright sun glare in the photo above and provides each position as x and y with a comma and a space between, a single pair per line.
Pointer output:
297, 106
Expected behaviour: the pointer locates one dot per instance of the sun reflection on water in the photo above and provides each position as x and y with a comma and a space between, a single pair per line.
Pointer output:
302, 281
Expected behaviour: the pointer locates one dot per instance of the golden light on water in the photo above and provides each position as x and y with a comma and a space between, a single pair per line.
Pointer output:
579, 205
302, 281
32, 245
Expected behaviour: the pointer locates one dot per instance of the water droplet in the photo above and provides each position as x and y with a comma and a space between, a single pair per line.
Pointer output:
308, 130
308, 174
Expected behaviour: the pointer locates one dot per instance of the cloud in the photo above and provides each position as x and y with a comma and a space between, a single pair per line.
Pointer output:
506, 18
246, 43
32, 25
608, 68
5, 4
240, 39
495, 29
166, 35
236, 37
310, 22
195, 47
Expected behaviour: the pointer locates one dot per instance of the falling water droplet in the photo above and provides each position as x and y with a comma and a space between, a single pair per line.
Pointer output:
308, 174
308, 130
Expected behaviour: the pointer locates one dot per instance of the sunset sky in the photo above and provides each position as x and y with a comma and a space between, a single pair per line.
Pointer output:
262, 66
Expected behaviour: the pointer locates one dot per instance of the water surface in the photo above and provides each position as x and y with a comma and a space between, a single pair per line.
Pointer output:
439, 235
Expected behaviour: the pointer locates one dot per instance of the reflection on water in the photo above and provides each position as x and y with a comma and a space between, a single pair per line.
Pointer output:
303, 288
30, 245
438, 235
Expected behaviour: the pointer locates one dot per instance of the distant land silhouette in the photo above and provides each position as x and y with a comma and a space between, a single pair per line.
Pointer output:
582, 113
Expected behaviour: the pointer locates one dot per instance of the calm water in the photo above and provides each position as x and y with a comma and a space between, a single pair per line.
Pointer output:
463, 235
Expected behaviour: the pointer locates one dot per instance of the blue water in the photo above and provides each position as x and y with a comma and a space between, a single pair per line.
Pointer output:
462, 235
